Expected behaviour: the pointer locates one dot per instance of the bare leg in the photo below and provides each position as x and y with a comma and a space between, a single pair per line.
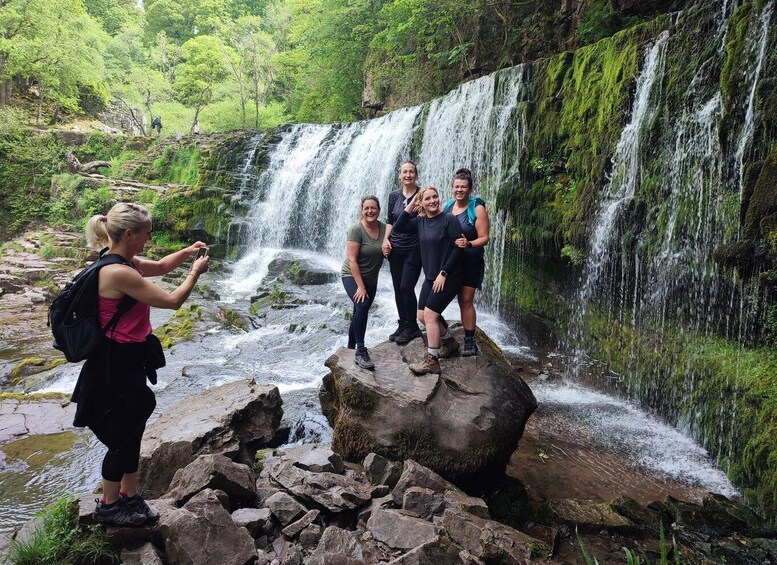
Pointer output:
467, 307
129, 484
432, 323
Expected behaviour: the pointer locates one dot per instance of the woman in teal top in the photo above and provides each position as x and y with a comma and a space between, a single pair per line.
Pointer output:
364, 258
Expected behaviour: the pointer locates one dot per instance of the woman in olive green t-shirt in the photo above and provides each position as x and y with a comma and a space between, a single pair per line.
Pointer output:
364, 258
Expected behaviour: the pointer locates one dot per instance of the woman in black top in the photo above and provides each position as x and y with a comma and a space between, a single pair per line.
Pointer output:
403, 256
437, 232
473, 217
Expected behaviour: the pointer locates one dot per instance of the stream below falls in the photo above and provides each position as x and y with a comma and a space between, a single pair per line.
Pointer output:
288, 349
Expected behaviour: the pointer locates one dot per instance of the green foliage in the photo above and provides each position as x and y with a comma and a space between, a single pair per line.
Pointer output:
180, 327
59, 540
602, 20
95, 201
587, 557
178, 166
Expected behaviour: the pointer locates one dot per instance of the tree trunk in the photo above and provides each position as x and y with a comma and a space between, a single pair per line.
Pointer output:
5, 85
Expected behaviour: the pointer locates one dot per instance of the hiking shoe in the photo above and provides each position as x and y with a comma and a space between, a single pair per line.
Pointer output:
448, 347
470, 347
117, 514
400, 327
408, 335
362, 358
138, 505
430, 364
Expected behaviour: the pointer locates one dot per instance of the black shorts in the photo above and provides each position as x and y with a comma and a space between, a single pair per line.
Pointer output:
474, 270
438, 301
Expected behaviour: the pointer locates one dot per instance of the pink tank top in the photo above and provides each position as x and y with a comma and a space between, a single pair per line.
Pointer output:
134, 325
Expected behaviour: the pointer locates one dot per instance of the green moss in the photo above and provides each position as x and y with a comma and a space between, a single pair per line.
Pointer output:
731, 76
180, 327
232, 320
178, 165
37, 450
35, 396
351, 441
28, 366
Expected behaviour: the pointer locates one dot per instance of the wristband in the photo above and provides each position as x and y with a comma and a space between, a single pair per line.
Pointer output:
469, 245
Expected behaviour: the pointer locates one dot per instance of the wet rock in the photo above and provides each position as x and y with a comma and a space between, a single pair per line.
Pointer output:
586, 515
696, 520
296, 527
491, 541
285, 508
399, 529
389, 411
381, 471
632, 510
203, 518
300, 271
736, 517
252, 519
214, 472
47, 416
315, 458
471, 504
146, 554
233, 420
331, 491
338, 546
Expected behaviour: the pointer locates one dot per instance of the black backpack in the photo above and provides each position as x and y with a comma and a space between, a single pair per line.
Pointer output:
73, 315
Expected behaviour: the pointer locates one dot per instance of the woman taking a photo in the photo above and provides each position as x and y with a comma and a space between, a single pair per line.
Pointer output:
471, 213
437, 232
403, 255
364, 258
113, 398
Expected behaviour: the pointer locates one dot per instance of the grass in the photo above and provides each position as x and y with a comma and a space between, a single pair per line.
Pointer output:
57, 539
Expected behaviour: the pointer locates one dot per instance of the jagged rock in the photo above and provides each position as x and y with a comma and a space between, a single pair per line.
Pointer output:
491, 541
285, 508
233, 420
300, 272
252, 519
423, 502
586, 515
315, 458
736, 517
381, 471
338, 546
202, 532
438, 551
310, 536
415, 475
482, 401
471, 504
399, 529
146, 554
331, 491
214, 472
638, 514
693, 519
296, 527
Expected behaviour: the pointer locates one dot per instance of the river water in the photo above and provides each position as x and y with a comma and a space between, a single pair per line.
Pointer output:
288, 349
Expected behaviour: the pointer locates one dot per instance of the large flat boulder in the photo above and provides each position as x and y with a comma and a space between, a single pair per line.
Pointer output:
464, 424
233, 420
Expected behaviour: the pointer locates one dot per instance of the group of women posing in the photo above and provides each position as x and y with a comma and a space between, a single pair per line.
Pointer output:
420, 233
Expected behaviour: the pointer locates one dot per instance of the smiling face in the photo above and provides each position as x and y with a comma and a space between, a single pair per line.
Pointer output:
370, 210
140, 237
430, 201
408, 174
461, 189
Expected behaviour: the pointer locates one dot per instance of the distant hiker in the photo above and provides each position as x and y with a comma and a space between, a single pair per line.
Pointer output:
112, 396
156, 123
473, 217
196, 128
403, 255
440, 257
364, 258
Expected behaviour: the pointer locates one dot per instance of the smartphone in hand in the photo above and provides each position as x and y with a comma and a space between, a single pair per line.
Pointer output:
201, 252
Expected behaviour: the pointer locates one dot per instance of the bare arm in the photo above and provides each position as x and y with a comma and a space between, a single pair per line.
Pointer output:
167, 263
118, 280
352, 249
386, 245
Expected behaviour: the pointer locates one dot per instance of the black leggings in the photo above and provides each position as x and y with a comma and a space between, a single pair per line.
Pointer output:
438, 301
405, 266
358, 326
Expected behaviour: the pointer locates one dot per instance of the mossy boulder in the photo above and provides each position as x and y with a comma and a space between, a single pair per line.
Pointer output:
464, 424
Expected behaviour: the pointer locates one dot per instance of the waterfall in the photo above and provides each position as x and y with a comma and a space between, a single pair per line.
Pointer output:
310, 192
245, 182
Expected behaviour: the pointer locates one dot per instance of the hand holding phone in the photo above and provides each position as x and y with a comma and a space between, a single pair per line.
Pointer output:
201, 252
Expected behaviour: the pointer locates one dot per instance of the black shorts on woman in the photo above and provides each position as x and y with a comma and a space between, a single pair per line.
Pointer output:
438, 254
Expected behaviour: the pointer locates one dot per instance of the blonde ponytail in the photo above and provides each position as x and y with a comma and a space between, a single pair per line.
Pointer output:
103, 231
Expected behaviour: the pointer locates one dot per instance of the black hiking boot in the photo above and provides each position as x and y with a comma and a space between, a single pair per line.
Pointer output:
408, 335
400, 327
117, 514
362, 358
